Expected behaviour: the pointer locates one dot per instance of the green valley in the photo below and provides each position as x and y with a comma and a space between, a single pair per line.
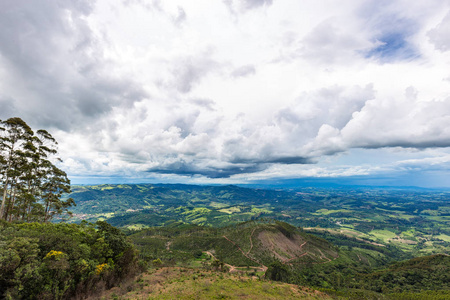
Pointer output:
346, 242
415, 221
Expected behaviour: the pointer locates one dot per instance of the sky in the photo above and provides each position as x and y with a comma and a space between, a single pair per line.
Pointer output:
234, 91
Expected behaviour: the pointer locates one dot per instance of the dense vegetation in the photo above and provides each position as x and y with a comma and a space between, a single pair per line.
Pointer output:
62, 261
254, 244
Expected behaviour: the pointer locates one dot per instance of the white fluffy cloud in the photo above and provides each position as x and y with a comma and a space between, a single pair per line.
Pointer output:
240, 89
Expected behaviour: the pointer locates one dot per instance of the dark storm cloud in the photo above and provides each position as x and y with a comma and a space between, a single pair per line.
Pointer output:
273, 159
410, 143
49, 48
290, 160
192, 169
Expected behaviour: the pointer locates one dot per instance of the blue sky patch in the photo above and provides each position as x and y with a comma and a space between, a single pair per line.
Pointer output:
394, 47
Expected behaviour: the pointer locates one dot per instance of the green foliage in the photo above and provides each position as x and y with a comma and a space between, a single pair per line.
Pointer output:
421, 273
238, 245
278, 272
348, 278
53, 261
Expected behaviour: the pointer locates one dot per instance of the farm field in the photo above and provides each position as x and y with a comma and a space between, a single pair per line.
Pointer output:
415, 221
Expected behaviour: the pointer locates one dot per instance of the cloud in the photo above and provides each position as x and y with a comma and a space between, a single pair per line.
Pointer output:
440, 35
243, 71
51, 50
189, 71
244, 5
180, 17
250, 4
330, 42
405, 122
276, 88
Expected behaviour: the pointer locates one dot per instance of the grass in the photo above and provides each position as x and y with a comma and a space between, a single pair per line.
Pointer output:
230, 210
401, 216
327, 212
217, 205
136, 226
257, 210
187, 283
444, 237
383, 235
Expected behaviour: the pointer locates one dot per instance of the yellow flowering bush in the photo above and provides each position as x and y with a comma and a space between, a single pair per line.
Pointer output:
101, 268
55, 254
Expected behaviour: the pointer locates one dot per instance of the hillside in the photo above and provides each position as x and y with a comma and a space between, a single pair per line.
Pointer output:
187, 283
421, 273
254, 244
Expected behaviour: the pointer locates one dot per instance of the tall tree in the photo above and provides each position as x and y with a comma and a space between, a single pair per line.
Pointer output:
15, 134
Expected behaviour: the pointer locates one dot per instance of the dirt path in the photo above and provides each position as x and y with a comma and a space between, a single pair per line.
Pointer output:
291, 259
251, 242
301, 246
232, 268
250, 258
322, 256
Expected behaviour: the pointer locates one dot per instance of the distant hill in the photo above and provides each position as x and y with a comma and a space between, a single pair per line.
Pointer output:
253, 243
414, 221
204, 205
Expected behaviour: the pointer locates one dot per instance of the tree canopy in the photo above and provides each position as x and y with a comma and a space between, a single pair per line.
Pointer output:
31, 185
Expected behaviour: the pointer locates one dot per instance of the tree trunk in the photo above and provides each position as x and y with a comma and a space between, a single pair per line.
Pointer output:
5, 189
11, 205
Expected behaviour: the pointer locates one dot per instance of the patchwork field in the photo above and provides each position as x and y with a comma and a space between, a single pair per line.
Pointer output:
415, 221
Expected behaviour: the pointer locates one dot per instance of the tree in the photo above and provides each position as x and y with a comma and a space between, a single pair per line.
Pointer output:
278, 272
31, 184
